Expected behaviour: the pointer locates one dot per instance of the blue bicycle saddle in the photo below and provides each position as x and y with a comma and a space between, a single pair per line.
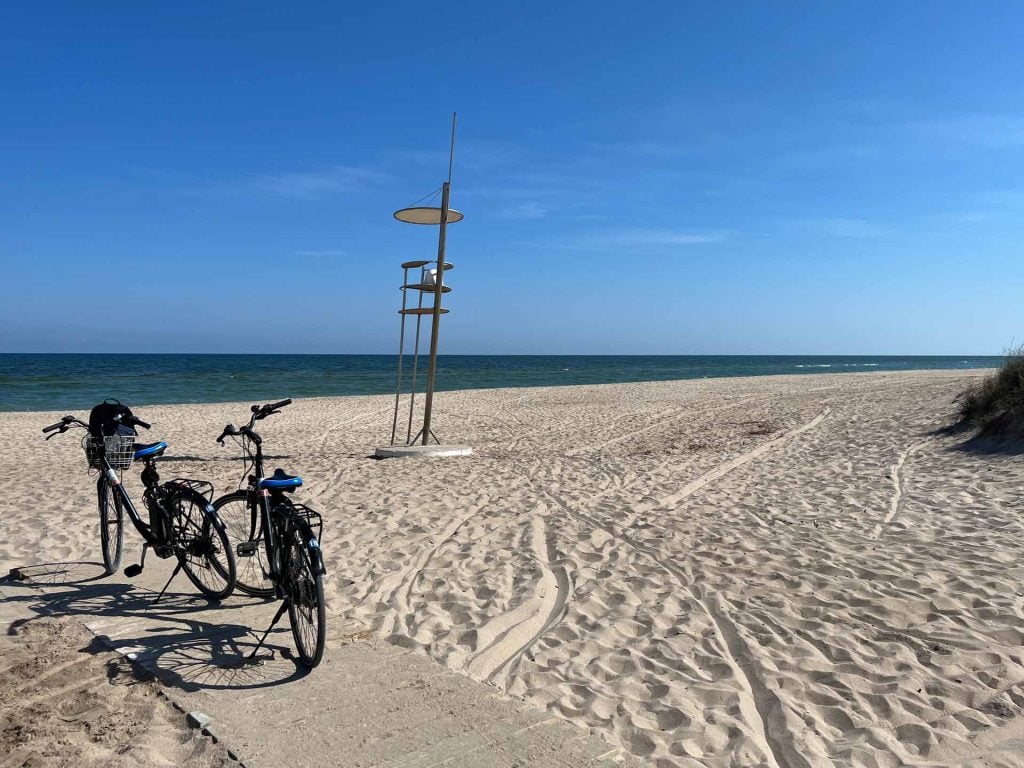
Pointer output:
281, 481
149, 449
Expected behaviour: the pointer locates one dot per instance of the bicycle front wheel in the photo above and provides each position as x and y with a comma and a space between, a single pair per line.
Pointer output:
304, 585
201, 547
240, 513
111, 523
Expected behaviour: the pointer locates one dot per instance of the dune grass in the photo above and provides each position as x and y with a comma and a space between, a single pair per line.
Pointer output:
996, 404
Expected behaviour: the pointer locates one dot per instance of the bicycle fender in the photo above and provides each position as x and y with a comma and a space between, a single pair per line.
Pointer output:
316, 556
214, 518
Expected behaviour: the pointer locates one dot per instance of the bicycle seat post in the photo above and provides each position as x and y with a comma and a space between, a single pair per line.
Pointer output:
150, 475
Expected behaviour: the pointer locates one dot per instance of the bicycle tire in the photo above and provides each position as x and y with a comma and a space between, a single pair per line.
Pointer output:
242, 527
201, 547
304, 585
111, 523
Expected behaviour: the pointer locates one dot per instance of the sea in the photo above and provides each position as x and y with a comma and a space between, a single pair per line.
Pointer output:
36, 382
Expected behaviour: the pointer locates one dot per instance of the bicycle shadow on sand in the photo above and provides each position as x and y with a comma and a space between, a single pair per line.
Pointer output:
183, 640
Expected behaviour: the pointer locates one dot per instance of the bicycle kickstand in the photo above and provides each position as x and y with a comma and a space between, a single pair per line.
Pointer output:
277, 618
173, 574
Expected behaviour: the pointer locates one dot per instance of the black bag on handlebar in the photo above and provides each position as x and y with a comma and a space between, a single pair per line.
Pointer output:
105, 419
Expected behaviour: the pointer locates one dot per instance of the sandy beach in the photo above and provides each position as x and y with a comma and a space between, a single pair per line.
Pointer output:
780, 571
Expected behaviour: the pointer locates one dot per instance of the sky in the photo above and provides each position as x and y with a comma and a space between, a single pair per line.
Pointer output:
648, 178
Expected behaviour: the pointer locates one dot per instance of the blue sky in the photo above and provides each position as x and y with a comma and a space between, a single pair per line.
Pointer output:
678, 178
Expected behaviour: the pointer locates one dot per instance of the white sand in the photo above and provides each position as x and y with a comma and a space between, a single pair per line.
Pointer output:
778, 571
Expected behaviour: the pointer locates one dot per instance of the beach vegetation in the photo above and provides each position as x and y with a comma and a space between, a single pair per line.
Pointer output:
995, 405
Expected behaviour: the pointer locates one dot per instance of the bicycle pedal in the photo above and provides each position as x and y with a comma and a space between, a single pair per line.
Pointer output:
246, 549
132, 571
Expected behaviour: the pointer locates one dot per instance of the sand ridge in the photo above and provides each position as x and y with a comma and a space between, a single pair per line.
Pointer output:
778, 571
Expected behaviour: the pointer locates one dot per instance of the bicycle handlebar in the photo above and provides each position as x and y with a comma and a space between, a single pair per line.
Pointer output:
261, 412
228, 431
64, 425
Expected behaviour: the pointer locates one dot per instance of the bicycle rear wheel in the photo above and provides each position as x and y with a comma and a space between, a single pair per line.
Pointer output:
111, 523
243, 523
304, 585
201, 547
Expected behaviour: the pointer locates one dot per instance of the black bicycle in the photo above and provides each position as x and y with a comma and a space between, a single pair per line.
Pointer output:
182, 521
277, 541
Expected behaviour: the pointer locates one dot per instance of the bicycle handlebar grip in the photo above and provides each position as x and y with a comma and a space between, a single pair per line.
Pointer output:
281, 404
141, 423
52, 427
227, 432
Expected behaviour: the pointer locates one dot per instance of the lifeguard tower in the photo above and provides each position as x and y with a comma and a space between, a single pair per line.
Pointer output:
423, 279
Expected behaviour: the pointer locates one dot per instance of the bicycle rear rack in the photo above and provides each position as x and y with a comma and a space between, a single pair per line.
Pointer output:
202, 487
316, 522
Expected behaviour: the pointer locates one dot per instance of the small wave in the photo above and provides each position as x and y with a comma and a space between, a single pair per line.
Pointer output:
815, 365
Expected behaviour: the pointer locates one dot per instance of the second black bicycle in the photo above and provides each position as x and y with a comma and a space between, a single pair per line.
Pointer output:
276, 541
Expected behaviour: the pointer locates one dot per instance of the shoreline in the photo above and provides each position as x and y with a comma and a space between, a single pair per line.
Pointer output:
517, 388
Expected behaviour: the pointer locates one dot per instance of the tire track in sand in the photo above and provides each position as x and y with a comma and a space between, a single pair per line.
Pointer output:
723, 469
757, 702
400, 596
899, 482
677, 412
515, 632
395, 589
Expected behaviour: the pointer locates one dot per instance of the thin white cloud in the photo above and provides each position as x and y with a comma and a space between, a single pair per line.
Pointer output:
528, 210
993, 131
637, 239
300, 185
830, 155
841, 227
641, 149
664, 237
320, 254
970, 217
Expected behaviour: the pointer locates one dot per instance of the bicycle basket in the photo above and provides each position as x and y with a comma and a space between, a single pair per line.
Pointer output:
118, 449
313, 518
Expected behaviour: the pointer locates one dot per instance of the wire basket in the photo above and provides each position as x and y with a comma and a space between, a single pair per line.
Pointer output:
119, 451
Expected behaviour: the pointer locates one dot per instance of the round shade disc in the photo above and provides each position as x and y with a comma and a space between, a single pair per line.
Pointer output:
422, 215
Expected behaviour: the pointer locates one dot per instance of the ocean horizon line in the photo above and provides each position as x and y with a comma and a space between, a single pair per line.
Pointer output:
60, 380
531, 354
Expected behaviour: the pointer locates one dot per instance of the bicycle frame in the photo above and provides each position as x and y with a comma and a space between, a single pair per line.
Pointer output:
151, 479
284, 525
265, 499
